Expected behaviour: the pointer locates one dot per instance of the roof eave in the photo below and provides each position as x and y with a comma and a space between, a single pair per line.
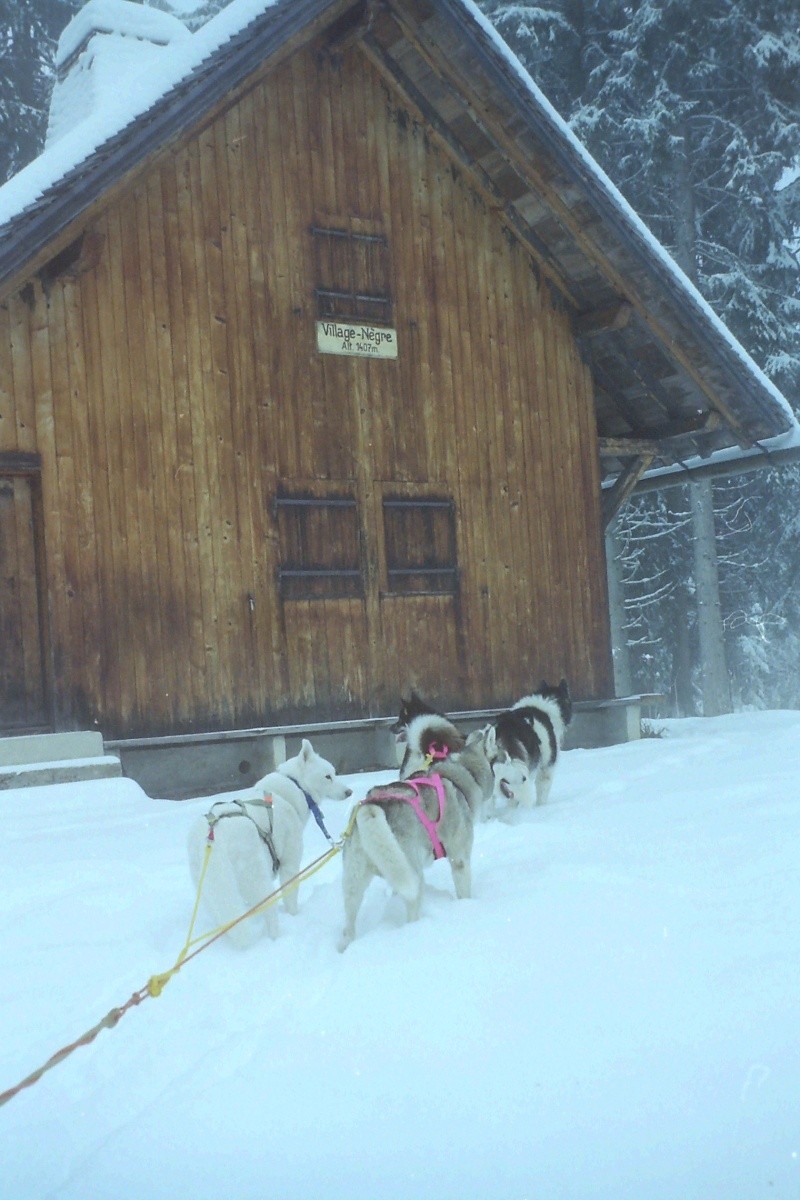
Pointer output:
670, 291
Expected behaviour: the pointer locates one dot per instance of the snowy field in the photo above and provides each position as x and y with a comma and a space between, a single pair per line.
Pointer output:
615, 1014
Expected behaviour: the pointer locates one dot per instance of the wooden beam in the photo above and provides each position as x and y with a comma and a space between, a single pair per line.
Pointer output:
598, 321
480, 180
615, 496
19, 462
774, 460
349, 29
627, 447
658, 444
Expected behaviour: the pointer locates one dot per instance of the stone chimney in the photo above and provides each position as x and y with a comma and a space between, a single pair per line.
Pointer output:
100, 51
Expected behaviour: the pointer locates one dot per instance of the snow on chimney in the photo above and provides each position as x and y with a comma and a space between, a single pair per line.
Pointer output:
99, 52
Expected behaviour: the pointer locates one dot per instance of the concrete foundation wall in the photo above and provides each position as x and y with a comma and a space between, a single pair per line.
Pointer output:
206, 764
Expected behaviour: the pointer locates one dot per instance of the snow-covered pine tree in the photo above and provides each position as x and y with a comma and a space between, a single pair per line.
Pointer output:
193, 13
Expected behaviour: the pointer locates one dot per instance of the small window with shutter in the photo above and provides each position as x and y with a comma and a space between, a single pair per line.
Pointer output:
352, 275
420, 540
319, 546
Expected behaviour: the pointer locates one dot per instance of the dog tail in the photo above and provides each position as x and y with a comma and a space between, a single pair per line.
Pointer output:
385, 853
429, 735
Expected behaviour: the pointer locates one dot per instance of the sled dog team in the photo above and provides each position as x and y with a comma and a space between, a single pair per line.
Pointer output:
447, 781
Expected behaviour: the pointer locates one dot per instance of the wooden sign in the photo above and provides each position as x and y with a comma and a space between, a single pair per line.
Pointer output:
361, 341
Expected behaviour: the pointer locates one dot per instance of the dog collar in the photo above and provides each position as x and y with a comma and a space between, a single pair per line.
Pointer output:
437, 752
313, 807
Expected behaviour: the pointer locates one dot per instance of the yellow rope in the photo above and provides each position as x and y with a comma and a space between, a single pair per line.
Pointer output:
155, 985
350, 823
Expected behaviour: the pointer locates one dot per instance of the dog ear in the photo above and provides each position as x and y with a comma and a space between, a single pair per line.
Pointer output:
490, 740
306, 749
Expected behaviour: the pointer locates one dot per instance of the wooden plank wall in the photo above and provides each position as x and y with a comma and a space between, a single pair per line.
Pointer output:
23, 699
171, 386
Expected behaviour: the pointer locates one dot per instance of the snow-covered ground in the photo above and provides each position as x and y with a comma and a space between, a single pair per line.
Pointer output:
616, 1012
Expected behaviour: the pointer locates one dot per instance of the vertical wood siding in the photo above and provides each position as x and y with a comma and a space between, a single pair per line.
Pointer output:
172, 387
23, 684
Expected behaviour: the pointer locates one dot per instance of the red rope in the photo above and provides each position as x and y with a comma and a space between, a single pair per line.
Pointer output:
108, 1022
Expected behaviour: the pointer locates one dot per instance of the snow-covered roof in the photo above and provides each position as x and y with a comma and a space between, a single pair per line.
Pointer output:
144, 88
161, 99
106, 43
125, 18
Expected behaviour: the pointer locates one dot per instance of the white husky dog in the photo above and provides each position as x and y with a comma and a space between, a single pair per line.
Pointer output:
259, 839
401, 827
523, 744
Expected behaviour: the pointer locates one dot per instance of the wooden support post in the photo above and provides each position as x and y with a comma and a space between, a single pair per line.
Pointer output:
615, 496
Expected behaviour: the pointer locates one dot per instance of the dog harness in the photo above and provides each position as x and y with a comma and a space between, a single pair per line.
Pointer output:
430, 827
240, 810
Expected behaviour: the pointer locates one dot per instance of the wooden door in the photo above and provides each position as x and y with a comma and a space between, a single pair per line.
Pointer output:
369, 595
23, 689
322, 593
417, 596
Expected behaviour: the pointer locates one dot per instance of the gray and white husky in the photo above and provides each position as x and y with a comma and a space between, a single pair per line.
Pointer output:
400, 828
523, 744
259, 840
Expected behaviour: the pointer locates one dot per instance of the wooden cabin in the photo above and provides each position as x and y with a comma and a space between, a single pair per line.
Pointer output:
312, 375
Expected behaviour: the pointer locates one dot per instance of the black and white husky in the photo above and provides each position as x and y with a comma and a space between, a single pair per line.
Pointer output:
524, 741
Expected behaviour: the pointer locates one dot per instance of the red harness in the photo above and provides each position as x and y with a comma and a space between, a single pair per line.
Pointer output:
430, 827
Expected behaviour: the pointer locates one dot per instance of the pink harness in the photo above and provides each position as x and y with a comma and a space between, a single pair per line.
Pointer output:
430, 827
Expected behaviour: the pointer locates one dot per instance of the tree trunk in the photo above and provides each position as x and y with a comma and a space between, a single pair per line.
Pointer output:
716, 687
715, 682
682, 690
616, 604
